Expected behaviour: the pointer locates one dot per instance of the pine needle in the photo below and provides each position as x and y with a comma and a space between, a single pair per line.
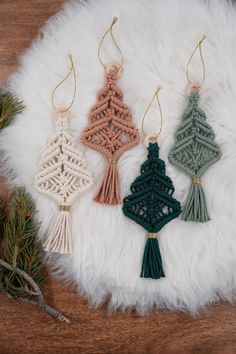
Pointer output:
18, 245
10, 106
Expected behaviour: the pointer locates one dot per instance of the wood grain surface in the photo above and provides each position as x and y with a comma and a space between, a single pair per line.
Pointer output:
24, 329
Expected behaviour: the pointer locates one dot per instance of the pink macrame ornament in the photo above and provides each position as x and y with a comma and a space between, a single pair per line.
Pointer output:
111, 133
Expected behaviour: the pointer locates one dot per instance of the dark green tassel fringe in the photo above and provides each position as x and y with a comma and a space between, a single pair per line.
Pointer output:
152, 262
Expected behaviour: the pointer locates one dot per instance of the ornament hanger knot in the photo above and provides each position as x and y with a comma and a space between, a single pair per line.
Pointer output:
114, 66
62, 113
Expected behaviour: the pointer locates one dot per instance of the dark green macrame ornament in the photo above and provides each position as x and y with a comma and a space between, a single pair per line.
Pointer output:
194, 152
152, 206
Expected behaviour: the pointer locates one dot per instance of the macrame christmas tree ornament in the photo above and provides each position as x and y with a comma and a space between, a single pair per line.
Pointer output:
194, 150
110, 129
62, 177
151, 204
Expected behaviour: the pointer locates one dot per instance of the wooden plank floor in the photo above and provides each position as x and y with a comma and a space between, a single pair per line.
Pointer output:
24, 329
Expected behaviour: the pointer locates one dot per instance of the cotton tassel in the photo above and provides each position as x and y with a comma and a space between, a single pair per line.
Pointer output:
59, 240
195, 208
109, 192
152, 262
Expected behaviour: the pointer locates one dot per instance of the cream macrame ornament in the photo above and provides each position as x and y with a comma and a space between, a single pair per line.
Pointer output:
62, 177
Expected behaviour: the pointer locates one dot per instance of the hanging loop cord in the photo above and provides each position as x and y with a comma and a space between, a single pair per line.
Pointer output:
148, 137
72, 70
110, 30
198, 46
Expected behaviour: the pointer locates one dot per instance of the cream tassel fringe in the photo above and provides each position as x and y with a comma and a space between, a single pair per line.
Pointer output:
59, 240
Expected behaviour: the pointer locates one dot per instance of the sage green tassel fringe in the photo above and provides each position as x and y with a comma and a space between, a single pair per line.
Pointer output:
195, 208
152, 263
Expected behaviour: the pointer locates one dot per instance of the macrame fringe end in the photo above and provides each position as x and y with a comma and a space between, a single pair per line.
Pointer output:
195, 208
152, 262
109, 192
59, 240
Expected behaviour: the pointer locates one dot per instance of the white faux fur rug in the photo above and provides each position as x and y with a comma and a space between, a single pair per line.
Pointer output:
157, 38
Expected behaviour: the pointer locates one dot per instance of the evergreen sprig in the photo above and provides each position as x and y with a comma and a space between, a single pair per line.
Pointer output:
10, 106
21, 268
19, 247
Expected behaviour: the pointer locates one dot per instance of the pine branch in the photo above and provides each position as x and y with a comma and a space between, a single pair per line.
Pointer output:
18, 245
21, 269
10, 106
37, 292
58, 316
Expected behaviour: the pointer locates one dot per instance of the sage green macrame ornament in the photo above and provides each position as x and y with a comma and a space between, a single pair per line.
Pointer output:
152, 206
194, 151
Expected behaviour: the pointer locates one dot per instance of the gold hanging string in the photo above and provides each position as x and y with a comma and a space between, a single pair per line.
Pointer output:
161, 115
110, 29
72, 70
198, 46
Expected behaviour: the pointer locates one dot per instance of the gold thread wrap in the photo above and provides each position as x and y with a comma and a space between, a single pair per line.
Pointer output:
152, 235
64, 207
112, 160
196, 180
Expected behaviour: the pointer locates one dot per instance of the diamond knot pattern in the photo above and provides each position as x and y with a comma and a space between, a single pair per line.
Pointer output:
194, 150
110, 129
150, 203
62, 175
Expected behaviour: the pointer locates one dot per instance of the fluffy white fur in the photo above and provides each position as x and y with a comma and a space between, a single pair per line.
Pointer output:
157, 38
